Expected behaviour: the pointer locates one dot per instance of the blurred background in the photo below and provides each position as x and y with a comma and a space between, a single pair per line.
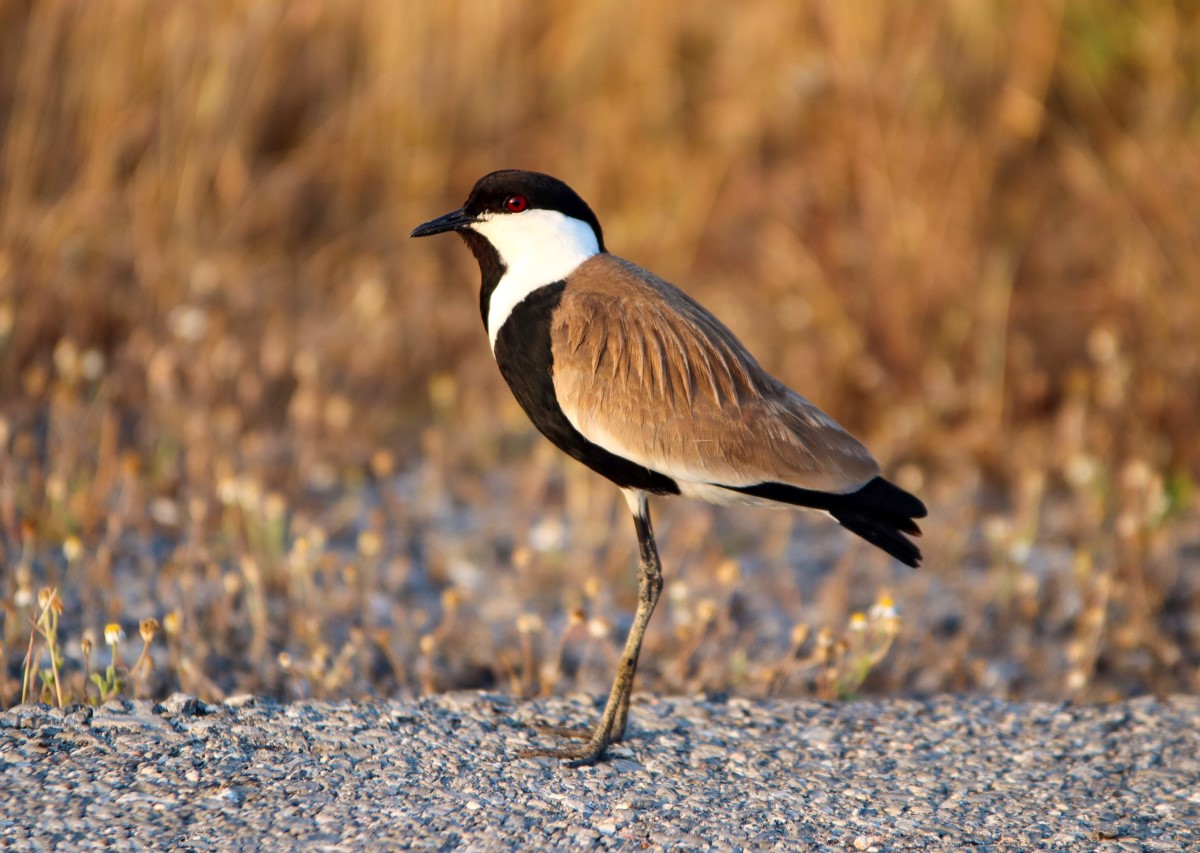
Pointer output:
242, 412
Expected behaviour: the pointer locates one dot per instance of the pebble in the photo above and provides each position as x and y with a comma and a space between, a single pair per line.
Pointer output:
946, 773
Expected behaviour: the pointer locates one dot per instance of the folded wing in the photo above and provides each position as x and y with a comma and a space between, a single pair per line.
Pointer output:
644, 371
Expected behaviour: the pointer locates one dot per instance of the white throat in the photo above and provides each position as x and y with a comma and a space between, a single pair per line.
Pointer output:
538, 247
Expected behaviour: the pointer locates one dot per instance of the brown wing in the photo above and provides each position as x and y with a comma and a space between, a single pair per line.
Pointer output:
644, 371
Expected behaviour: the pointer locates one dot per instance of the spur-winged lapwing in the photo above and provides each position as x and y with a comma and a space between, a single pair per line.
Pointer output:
632, 377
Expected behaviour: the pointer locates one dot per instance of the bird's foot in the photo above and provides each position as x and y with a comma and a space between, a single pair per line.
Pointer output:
575, 755
567, 732
596, 742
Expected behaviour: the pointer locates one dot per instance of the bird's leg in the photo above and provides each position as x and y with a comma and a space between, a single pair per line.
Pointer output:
616, 711
650, 584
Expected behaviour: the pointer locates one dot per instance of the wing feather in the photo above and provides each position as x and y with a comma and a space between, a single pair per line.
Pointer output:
644, 371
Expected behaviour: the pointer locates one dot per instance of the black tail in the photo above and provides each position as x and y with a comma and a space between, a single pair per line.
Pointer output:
879, 512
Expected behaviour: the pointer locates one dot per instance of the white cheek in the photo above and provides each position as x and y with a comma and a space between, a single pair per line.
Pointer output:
538, 247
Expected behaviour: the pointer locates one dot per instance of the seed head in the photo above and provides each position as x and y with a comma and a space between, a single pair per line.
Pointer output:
884, 607
72, 548
529, 623
799, 634
729, 573
173, 623
369, 543
452, 598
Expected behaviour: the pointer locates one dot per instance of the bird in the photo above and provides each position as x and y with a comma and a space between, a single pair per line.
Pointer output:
631, 376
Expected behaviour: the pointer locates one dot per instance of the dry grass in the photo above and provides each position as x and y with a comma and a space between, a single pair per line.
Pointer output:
235, 398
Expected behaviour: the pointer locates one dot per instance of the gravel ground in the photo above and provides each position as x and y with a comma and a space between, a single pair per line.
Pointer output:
946, 773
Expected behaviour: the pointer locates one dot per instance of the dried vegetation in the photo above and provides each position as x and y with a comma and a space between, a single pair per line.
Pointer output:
236, 399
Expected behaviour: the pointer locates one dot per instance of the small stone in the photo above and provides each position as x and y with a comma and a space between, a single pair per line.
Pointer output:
606, 827
181, 704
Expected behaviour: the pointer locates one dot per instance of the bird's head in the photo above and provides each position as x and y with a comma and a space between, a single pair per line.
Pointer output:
528, 219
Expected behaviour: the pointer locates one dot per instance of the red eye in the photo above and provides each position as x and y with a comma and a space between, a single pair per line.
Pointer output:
516, 203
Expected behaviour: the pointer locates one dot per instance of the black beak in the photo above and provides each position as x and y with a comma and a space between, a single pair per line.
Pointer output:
455, 220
